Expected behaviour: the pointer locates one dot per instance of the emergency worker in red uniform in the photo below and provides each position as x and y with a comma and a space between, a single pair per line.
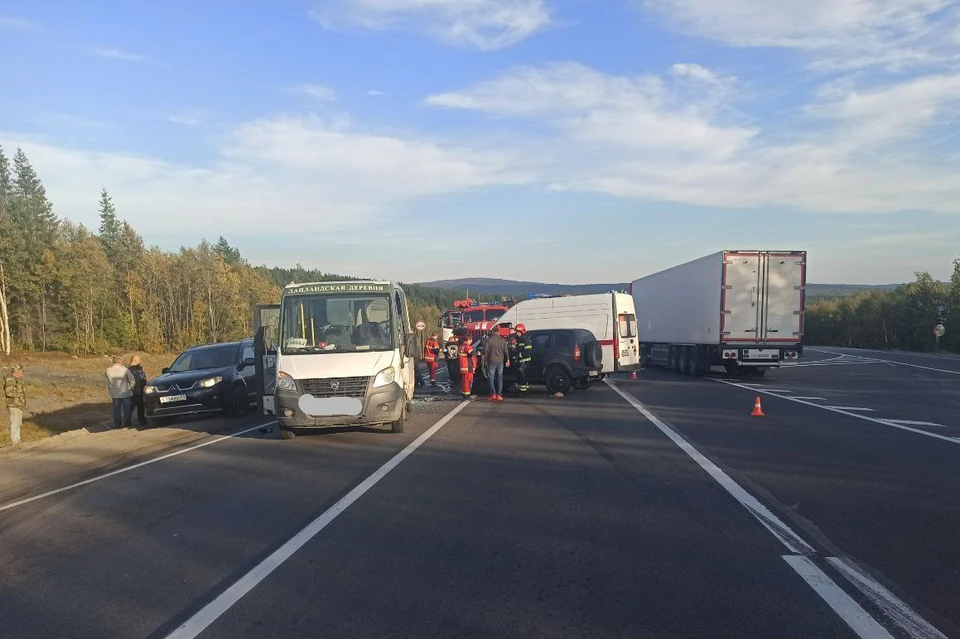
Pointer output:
431, 352
468, 364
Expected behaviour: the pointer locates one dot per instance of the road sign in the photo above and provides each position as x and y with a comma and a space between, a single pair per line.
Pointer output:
939, 330
421, 325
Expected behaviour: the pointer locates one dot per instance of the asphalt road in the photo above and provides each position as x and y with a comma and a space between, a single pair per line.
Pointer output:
649, 508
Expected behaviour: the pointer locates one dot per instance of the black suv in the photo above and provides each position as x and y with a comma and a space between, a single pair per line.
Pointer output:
562, 358
216, 377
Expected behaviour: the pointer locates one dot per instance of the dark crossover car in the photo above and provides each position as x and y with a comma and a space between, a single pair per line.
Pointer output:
562, 358
203, 379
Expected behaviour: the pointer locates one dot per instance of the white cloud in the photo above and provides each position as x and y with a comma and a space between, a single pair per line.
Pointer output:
303, 173
114, 54
9, 23
649, 138
480, 24
836, 33
375, 93
318, 92
188, 117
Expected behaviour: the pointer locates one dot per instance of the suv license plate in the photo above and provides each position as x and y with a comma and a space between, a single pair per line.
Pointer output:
594, 373
173, 398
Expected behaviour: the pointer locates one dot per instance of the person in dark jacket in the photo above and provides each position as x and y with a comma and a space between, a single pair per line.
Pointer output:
496, 355
140, 383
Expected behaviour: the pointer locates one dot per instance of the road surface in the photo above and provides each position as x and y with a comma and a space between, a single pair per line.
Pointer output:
649, 508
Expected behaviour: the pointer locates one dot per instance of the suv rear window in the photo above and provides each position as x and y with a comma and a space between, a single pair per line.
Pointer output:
562, 340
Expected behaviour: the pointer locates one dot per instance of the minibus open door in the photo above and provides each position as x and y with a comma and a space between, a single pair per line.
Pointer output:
266, 327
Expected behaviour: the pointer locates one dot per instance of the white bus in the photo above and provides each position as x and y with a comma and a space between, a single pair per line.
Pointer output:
609, 316
341, 353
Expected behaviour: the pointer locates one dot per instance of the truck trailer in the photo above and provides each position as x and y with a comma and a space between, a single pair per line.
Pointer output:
742, 310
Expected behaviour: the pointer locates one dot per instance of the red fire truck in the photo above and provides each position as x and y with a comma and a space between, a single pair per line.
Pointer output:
475, 318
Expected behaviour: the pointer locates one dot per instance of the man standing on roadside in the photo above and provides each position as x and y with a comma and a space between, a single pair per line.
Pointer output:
16, 398
120, 385
137, 369
496, 355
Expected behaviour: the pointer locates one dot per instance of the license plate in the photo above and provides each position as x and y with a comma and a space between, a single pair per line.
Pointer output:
762, 353
173, 398
594, 373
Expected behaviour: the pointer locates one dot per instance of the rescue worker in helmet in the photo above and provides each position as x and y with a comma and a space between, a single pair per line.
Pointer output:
468, 364
521, 354
431, 351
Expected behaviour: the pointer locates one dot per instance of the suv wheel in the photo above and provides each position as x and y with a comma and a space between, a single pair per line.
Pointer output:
557, 379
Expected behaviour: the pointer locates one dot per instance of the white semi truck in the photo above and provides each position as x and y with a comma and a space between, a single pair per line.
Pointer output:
742, 310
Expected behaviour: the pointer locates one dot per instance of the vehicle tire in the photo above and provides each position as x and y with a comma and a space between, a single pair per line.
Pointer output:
557, 379
286, 433
732, 368
396, 427
239, 402
693, 362
593, 356
583, 383
158, 422
684, 358
674, 359
410, 407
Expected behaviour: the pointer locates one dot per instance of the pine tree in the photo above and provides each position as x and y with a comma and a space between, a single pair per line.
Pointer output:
110, 226
6, 236
229, 254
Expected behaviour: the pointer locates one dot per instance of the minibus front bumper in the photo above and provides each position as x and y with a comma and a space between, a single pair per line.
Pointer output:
380, 406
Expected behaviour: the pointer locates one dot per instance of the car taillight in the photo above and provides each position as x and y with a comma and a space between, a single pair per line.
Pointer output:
576, 353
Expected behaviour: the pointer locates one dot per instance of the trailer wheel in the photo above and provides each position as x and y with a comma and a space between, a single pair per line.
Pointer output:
684, 357
757, 372
693, 362
675, 359
732, 368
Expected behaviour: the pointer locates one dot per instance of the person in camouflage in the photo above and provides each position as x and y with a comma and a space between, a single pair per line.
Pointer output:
16, 398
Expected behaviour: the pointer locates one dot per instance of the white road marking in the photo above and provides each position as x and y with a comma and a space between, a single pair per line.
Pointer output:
910, 422
770, 521
853, 408
891, 605
810, 399
843, 604
849, 610
875, 420
128, 468
890, 361
213, 610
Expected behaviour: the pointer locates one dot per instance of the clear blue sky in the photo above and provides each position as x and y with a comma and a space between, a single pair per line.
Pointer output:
597, 140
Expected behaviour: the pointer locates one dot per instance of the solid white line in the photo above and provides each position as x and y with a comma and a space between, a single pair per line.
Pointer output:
891, 361
890, 604
918, 431
213, 610
770, 521
910, 422
810, 399
853, 408
843, 604
128, 468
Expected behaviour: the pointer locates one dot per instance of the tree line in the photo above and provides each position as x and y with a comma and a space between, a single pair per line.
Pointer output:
69, 288
901, 319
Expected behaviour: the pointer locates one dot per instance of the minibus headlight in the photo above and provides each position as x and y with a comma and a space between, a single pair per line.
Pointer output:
384, 377
285, 382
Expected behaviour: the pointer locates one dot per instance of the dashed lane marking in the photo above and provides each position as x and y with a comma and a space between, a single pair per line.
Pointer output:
839, 411
853, 408
803, 558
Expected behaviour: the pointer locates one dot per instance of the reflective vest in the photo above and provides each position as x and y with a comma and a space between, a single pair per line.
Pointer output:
431, 350
521, 350
467, 360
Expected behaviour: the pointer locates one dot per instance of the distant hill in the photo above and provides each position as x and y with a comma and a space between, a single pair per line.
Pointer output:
480, 286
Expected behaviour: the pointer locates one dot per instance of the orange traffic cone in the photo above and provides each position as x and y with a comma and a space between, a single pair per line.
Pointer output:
633, 375
757, 410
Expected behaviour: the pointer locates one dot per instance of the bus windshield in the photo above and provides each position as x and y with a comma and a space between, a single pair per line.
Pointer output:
336, 323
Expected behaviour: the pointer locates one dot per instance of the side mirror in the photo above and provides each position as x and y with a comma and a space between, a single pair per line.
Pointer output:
165, 371
247, 363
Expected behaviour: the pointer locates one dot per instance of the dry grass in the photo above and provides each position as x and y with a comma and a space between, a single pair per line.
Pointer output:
66, 393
